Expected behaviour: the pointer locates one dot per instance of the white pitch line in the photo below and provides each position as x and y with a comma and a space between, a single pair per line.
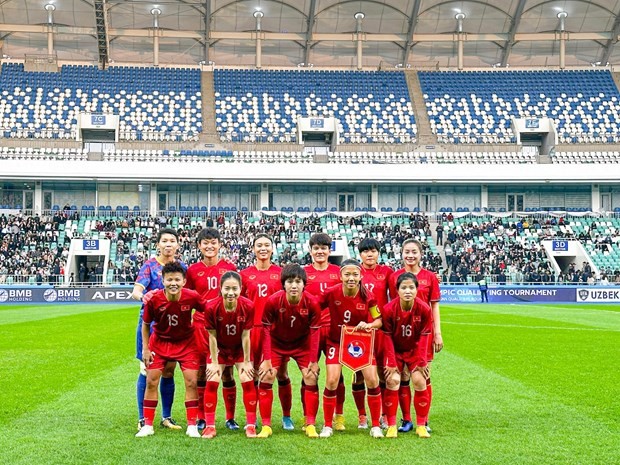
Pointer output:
530, 327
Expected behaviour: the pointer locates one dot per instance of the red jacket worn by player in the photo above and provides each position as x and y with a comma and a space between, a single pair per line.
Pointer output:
291, 330
229, 327
206, 281
407, 334
173, 332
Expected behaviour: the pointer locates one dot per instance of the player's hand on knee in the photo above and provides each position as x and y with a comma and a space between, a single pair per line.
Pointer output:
213, 370
265, 370
147, 357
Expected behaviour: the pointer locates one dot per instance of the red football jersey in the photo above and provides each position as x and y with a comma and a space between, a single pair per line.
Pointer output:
291, 323
405, 328
206, 279
376, 281
319, 281
172, 320
229, 325
344, 310
428, 285
258, 286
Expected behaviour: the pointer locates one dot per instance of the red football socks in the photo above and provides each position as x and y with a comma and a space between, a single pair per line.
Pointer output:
191, 411
303, 397
422, 404
311, 393
404, 399
374, 405
229, 392
390, 405
211, 402
329, 405
285, 393
340, 397
359, 395
249, 402
265, 402
149, 407
201, 400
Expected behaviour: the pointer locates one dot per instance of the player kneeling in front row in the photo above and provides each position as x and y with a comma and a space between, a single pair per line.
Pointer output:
407, 324
291, 329
228, 320
172, 340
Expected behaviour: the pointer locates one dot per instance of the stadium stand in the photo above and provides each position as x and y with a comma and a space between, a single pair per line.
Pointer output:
508, 249
510, 246
281, 156
477, 106
26, 258
155, 104
262, 106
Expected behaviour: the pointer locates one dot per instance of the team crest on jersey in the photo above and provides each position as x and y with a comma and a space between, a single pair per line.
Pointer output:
303, 311
186, 308
222, 271
333, 276
360, 306
337, 302
202, 273
423, 282
380, 276
240, 318
274, 276
417, 318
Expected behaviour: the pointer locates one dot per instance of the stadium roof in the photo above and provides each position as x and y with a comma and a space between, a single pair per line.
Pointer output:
420, 33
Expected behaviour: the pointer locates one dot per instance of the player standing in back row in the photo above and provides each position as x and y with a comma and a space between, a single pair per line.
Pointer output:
204, 277
321, 275
149, 279
260, 281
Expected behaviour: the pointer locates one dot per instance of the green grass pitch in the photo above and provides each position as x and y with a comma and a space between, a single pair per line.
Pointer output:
515, 384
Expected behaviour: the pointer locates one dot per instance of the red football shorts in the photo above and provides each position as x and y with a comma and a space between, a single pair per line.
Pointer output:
201, 337
430, 351
300, 353
183, 352
407, 359
323, 336
228, 357
379, 355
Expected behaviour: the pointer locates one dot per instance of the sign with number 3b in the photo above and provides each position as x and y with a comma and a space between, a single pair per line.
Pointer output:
356, 348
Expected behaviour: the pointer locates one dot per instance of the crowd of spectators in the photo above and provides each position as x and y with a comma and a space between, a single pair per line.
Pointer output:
26, 254
500, 249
